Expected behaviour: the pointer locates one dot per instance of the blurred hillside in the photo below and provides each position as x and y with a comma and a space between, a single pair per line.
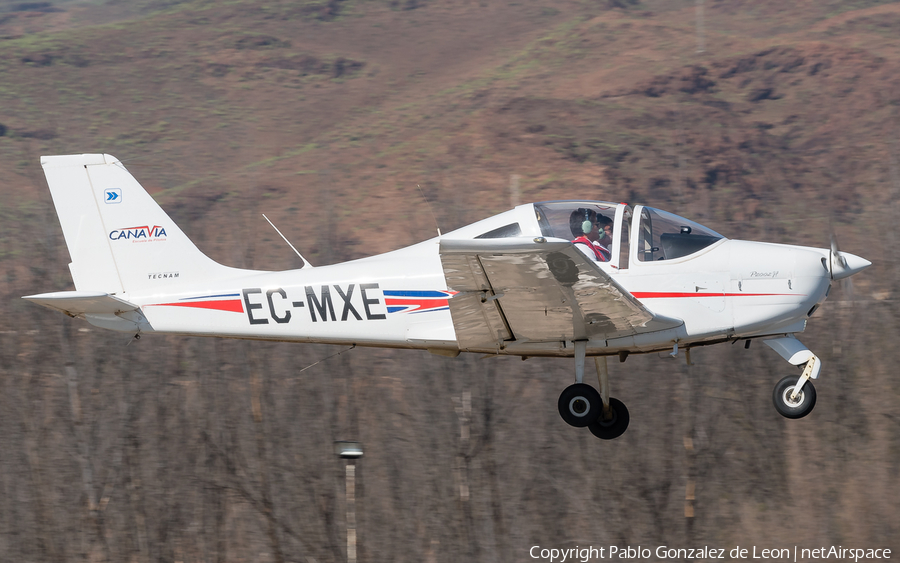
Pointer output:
764, 120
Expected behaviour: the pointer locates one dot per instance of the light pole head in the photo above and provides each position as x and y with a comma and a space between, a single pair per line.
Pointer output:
348, 450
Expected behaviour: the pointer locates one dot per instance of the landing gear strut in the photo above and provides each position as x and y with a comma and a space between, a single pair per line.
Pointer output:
795, 397
581, 405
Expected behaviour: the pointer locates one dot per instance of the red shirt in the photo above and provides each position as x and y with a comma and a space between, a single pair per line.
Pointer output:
601, 253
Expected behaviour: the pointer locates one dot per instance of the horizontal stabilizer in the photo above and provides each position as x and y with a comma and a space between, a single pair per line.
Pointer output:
79, 303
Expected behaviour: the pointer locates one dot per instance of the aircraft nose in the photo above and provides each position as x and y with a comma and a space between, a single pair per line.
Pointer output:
845, 265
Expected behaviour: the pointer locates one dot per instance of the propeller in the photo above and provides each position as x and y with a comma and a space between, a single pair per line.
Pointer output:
837, 264
843, 265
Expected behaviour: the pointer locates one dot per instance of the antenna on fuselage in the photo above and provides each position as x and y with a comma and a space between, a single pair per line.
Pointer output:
429, 209
306, 263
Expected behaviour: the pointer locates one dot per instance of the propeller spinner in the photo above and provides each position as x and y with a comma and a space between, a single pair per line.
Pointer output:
843, 265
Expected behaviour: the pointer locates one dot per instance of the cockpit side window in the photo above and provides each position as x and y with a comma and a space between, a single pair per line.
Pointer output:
554, 217
666, 236
511, 230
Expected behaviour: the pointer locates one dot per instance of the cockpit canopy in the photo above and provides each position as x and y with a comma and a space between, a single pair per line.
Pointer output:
639, 234
659, 235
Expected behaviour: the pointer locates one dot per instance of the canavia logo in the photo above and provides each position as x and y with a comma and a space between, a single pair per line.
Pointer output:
146, 232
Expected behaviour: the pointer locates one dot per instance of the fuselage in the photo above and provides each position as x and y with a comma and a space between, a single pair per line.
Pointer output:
728, 289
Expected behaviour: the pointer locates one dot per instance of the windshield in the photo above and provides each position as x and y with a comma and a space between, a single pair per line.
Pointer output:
666, 236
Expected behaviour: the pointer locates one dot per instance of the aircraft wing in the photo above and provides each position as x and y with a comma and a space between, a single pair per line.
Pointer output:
517, 290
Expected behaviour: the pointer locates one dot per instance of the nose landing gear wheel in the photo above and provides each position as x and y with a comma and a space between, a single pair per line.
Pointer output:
615, 426
579, 404
799, 407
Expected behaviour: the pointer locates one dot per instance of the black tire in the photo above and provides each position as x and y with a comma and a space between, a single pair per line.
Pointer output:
782, 394
616, 426
579, 404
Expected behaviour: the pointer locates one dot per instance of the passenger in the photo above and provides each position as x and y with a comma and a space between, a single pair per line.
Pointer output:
605, 233
583, 224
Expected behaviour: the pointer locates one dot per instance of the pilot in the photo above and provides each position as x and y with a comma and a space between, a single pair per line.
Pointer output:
604, 235
584, 226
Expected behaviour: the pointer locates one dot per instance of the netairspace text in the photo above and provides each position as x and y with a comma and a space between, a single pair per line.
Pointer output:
585, 554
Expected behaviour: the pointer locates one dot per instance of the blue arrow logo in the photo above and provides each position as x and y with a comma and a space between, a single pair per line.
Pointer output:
113, 195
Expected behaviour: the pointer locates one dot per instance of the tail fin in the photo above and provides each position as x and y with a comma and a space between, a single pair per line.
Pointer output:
119, 238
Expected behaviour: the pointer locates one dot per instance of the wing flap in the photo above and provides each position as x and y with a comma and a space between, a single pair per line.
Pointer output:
542, 291
476, 314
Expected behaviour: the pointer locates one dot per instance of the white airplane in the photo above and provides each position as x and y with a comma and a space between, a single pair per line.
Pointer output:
511, 284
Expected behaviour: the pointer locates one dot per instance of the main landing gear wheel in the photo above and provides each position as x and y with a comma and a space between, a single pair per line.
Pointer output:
615, 426
580, 404
799, 407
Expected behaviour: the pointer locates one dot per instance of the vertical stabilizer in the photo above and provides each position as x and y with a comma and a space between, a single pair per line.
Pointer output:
119, 238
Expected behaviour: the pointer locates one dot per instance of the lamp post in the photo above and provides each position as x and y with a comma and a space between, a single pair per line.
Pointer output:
350, 451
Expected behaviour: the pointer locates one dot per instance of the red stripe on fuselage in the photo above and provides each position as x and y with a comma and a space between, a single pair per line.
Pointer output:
231, 305
675, 295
